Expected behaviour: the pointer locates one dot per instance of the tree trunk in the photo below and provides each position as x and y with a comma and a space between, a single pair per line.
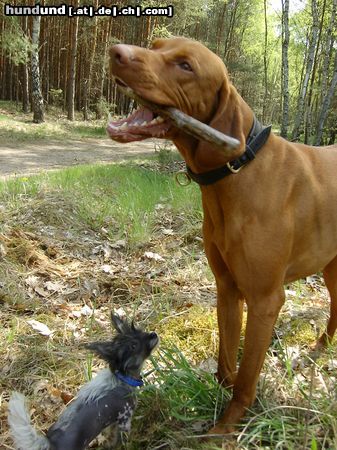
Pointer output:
220, 26
327, 50
72, 72
326, 103
311, 53
309, 109
25, 75
102, 70
88, 78
265, 63
230, 32
285, 68
25, 88
37, 99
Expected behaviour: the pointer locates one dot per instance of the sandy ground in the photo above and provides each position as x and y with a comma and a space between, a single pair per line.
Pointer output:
30, 158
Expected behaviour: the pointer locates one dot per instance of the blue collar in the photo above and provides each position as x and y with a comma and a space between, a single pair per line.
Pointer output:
133, 382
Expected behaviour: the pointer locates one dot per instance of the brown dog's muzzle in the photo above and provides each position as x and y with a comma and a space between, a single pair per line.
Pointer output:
121, 55
128, 66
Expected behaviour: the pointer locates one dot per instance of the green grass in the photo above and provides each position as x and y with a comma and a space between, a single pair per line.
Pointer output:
178, 404
96, 131
121, 198
9, 106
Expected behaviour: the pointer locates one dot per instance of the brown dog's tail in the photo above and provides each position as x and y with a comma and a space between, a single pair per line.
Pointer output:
24, 435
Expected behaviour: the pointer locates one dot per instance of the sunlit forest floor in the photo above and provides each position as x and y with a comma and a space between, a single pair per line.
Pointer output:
77, 243
17, 126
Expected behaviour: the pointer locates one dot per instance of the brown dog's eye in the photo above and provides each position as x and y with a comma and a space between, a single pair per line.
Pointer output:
185, 66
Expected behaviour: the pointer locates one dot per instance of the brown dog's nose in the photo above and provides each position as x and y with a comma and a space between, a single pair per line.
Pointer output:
121, 54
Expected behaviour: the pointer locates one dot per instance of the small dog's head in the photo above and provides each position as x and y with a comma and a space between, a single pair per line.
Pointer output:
128, 350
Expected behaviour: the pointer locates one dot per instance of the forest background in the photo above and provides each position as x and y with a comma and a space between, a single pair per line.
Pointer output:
281, 55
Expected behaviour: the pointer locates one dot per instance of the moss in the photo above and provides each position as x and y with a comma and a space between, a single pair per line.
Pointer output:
301, 333
194, 332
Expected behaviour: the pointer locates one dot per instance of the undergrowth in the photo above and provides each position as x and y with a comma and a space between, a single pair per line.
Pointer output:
77, 243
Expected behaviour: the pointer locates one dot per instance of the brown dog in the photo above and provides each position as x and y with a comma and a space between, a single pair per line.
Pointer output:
268, 224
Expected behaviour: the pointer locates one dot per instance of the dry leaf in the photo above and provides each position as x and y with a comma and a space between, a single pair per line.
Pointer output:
66, 397
3, 251
40, 327
121, 243
40, 386
155, 256
32, 281
159, 206
332, 365
106, 268
120, 312
168, 231
291, 293
41, 291
86, 311
209, 365
107, 250
54, 287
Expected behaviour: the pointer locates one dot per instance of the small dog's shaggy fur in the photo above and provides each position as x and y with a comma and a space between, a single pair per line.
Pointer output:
108, 399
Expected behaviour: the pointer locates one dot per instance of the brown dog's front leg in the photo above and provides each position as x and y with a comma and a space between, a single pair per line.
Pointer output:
262, 315
229, 311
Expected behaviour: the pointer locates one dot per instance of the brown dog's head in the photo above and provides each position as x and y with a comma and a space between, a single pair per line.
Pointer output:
182, 73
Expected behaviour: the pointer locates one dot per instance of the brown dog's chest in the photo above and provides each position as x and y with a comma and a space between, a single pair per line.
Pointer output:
277, 215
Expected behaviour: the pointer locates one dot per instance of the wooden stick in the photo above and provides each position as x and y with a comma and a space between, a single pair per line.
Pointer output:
187, 123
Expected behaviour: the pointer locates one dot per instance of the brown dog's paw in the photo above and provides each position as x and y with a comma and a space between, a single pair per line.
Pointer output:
224, 380
221, 429
221, 436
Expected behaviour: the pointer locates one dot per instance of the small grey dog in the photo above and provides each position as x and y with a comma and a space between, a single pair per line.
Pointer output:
109, 399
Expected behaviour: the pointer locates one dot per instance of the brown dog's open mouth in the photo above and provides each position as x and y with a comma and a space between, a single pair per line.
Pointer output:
141, 124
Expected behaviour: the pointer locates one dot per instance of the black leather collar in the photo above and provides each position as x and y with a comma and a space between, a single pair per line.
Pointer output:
257, 137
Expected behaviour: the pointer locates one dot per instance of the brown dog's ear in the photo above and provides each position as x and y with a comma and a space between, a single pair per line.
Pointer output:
228, 118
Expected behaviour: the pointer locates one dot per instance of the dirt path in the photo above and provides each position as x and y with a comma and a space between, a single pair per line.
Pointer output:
29, 158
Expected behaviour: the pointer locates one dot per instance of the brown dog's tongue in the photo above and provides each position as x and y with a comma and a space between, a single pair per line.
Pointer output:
138, 126
140, 116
